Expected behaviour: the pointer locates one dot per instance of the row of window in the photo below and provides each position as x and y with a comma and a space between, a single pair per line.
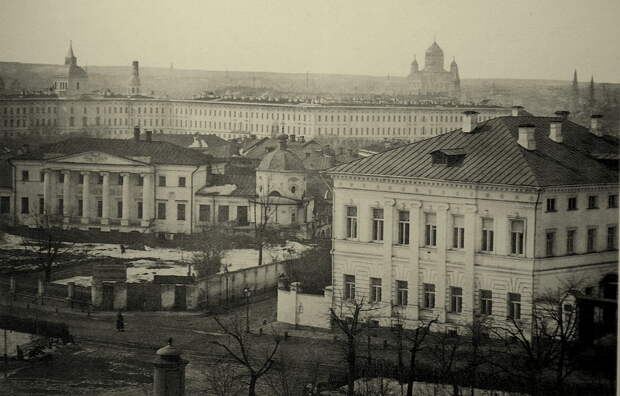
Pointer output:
161, 180
571, 203
485, 307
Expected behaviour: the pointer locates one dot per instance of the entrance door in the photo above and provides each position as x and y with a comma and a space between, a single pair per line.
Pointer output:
107, 303
242, 215
180, 297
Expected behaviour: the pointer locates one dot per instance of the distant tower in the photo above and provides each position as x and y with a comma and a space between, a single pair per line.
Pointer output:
591, 94
70, 58
133, 86
414, 66
73, 80
454, 70
575, 84
1, 85
574, 98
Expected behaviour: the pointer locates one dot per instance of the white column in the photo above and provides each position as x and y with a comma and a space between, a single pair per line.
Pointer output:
471, 233
86, 198
442, 246
105, 199
66, 197
147, 199
47, 192
415, 224
126, 198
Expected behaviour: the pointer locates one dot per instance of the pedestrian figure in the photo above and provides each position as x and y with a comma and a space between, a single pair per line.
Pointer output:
122, 249
120, 322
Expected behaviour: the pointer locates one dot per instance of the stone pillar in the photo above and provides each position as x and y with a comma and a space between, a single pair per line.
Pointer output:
67, 208
169, 372
415, 228
86, 198
47, 191
441, 297
148, 199
70, 290
105, 199
127, 198
40, 287
469, 294
13, 286
388, 232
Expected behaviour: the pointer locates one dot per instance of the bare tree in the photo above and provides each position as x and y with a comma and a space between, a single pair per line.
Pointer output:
223, 380
417, 341
245, 351
209, 247
265, 209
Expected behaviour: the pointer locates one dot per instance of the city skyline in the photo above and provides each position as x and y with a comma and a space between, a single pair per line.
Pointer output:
521, 41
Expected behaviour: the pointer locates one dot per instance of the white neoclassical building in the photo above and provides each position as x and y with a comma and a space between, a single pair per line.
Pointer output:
478, 220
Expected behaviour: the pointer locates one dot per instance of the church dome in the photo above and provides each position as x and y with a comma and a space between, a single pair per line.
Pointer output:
281, 159
434, 49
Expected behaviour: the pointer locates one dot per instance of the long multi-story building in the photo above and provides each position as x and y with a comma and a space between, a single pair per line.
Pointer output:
72, 109
477, 221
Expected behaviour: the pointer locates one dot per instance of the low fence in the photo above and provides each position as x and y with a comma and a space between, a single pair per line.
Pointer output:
36, 291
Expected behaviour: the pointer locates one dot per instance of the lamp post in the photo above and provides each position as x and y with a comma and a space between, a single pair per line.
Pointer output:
247, 292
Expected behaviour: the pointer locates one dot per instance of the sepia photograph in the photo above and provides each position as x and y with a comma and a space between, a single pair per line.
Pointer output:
309, 198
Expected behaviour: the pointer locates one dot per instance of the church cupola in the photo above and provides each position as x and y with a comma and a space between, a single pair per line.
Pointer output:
434, 58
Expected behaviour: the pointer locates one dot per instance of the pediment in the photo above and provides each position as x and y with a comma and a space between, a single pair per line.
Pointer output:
97, 157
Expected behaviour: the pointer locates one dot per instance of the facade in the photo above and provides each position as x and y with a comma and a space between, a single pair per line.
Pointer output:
434, 80
73, 108
477, 221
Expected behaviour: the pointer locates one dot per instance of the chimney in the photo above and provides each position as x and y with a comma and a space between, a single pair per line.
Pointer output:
555, 131
136, 134
149, 136
526, 136
516, 111
563, 114
470, 121
595, 125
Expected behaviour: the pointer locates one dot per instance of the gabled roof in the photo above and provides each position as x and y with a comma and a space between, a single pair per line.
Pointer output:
493, 156
236, 184
161, 153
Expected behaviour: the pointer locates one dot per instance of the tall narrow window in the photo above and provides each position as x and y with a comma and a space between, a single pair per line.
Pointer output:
140, 209
486, 302
456, 299
514, 306
591, 242
377, 225
612, 237
204, 213
570, 241
61, 206
99, 208
458, 232
612, 201
180, 211
403, 227
549, 243
119, 209
349, 287
25, 175
402, 293
222, 214
25, 209
162, 181
375, 290
550, 204
593, 202
487, 235
161, 210
80, 208
351, 222
431, 230
516, 236
429, 296
181, 181
572, 203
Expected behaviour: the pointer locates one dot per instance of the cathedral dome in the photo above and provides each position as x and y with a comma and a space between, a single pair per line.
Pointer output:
434, 49
281, 159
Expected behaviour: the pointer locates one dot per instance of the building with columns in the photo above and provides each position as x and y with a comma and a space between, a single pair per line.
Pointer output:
477, 221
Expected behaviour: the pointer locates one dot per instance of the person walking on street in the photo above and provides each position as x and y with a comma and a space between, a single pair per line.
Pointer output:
120, 322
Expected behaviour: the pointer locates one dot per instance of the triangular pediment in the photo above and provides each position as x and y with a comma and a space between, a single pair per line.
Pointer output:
97, 157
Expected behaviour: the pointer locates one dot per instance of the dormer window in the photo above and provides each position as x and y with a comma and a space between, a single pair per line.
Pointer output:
448, 157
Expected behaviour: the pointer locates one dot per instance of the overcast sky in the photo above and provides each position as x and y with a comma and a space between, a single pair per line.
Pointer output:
542, 39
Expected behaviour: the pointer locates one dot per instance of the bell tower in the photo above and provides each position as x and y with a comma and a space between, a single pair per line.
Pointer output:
133, 85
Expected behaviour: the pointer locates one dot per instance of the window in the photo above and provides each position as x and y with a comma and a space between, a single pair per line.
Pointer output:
162, 181
516, 236
431, 230
375, 290
514, 306
41, 205
140, 181
549, 243
429, 295
572, 203
181, 182
61, 206
25, 209
99, 179
611, 237
550, 204
181, 211
222, 213
486, 302
204, 213
458, 234
377, 225
612, 201
161, 210
120, 180
349, 287
42, 177
570, 241
5, 205
591, 243
140, 209
593, 202
25, 175
487, 235
61, 178
293, 216
119, 209
402, 293
403, 227
351, 222
81, 179
99, 208
456, 299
